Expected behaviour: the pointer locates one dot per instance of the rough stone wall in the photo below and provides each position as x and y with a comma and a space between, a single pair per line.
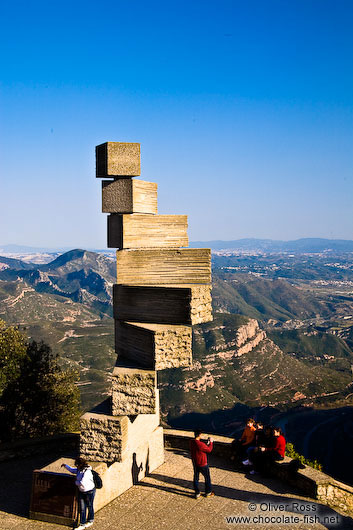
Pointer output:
173, 348
133, 392
103, 437
201, 309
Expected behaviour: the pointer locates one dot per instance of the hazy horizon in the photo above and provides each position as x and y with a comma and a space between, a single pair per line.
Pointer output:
66, 248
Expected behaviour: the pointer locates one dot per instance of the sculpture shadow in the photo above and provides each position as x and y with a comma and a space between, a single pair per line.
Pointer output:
135, 469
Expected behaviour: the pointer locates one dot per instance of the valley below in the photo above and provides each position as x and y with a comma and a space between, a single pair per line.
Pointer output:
280, 347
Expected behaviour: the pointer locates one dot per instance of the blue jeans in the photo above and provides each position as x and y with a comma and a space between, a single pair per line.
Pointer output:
86, 499
205, 471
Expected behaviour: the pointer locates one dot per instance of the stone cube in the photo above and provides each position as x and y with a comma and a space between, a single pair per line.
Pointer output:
173, 304
129, 196
133, 390
147, 231
118, 159
161, 266
103, 437
154, 346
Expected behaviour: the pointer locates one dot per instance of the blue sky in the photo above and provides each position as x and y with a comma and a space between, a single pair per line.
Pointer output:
243, 111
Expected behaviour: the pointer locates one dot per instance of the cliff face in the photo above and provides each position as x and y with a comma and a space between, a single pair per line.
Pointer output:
222, 345
235, 362
244, 339
246, 332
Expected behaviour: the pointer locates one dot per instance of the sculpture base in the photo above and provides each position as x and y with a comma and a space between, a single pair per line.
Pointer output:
50, 501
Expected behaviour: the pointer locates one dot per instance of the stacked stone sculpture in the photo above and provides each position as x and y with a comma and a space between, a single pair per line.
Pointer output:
162, 290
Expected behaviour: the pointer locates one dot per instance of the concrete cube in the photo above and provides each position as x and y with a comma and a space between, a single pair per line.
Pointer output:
154, 346
133, 390
147, 231
173, 304
103, 437
118, 159
129, 196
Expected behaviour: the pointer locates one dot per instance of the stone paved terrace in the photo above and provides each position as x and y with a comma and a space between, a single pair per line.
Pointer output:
164, 500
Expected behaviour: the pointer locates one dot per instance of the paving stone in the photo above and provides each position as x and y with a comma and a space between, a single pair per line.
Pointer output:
168, 504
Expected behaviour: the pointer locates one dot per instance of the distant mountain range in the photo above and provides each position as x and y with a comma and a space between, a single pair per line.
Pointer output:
311, 245
78, 275
22, 249
86, 277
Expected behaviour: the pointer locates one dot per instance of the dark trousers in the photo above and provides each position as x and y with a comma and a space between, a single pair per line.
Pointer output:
205, 471
86, 504
264, 460
239, 450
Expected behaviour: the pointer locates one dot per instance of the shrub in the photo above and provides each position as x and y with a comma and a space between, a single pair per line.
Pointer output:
292, 453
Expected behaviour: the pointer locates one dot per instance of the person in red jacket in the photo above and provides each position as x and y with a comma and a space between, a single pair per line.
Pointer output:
277, 451
268, 455
199, 450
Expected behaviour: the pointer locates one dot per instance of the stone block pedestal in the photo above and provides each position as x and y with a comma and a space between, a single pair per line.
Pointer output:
144, 454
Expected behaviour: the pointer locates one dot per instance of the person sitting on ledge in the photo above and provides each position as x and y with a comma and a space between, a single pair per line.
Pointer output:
199, 452
266, 456
259, 440
86, 490
245, 441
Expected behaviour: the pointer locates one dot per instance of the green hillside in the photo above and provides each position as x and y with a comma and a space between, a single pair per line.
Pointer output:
266, 376
67, 303
264, 299
315, 348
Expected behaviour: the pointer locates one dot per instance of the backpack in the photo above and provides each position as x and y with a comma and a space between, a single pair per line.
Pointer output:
98, 483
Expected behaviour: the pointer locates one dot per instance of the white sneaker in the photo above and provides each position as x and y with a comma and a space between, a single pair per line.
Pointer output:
246, 462
90, 523
81, 527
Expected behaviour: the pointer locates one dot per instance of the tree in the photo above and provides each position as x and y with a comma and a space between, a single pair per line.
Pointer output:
41, 399
13, 347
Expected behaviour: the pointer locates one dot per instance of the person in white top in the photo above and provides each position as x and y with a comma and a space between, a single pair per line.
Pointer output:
86, 490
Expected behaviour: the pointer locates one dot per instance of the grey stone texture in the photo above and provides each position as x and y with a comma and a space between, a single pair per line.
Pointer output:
183, 305
129, 196
103, 437
154, 346
118, 159
133, 390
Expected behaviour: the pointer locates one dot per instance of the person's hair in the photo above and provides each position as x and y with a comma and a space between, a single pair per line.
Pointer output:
197, 433
278, 429
81, 463
250, 420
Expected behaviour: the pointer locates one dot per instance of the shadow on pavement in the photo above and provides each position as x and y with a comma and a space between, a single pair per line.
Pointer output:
339, 521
